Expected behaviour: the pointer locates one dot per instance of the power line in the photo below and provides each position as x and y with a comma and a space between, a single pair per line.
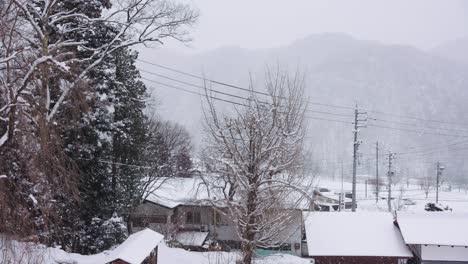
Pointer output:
231, 85
208, 89
310, 102
308, 110
237, 103
418, 118
417, 125
418, 131
227, 94
116, 163
434, 148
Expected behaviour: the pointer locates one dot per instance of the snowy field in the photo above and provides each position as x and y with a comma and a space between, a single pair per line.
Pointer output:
456, 199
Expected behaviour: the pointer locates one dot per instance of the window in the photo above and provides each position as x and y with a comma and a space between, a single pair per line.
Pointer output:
157, 219
141, 221
196, 218
144, 221
189, 218
192, 218
137, 222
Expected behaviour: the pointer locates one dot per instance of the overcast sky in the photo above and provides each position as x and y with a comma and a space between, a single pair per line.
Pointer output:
272, 23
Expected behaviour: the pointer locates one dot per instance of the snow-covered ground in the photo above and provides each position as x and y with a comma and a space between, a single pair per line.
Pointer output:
13, 252
168, 255
456, 199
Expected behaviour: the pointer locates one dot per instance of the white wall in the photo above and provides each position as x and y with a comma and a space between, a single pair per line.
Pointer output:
447, 253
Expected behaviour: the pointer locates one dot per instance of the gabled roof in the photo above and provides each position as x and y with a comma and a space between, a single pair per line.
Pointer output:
331, 195
136, 247
434, 228
207, 190
353, 234
178, 191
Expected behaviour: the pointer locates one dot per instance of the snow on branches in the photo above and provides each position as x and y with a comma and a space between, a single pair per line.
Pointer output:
40, 39
258, 153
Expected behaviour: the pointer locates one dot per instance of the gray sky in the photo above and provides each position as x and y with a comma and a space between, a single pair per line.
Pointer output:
272, 23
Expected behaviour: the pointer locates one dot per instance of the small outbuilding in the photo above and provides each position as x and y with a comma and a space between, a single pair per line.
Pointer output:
354, 238
436, 237
139, 248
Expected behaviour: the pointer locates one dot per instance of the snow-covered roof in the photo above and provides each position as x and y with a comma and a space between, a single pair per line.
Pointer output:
191, 238
353, 234
434, 228
136, 247
205, 191
177, 191
333, 195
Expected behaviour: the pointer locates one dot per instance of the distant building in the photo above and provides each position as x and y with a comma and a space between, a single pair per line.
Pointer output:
436, 237
139, 248
328, 201
353, 238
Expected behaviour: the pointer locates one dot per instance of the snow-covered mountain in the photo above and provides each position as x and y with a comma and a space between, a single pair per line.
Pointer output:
339, 70
455, 50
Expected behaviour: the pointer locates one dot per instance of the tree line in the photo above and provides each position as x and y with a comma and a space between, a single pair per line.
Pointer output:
78, 147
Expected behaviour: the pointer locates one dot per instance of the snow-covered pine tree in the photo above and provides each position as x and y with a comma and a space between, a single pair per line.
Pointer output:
108, 144
129, 134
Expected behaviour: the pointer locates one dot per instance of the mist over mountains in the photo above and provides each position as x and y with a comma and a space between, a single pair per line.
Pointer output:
455, 50
341, 71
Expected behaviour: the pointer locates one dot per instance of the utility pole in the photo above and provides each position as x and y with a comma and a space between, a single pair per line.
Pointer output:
390, 174
342, 195
440, 168
215, 222
377, 172
357, 124
366, 188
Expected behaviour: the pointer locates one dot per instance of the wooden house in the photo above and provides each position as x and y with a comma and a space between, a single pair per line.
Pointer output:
180, 211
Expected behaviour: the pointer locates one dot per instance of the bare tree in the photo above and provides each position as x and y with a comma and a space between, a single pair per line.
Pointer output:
164, 140
31, 55
399, 202
426, 184
175, 136
177, 143
256, 156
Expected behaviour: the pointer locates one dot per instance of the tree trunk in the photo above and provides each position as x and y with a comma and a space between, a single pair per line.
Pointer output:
44, 133
248, 246
247, 254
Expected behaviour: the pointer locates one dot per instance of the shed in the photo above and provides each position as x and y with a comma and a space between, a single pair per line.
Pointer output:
436, 237
139, 248
359, 237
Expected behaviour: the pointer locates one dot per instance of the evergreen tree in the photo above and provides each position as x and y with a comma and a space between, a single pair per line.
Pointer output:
129, 134
110, 133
